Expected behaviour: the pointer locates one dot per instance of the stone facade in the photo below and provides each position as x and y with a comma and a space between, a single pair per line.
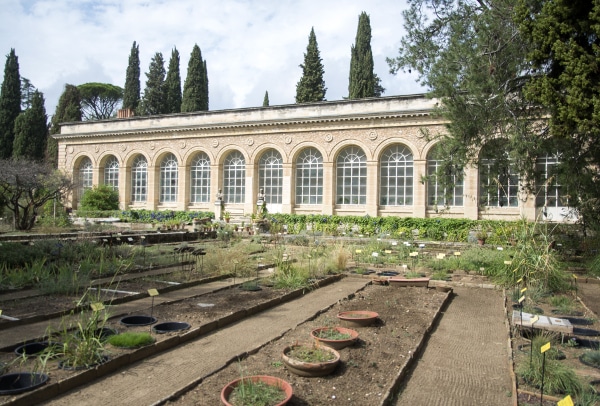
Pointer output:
372, 125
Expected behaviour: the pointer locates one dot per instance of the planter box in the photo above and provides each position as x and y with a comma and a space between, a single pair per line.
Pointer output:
405, 282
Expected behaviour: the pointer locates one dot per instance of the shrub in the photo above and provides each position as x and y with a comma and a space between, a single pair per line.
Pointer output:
102, 197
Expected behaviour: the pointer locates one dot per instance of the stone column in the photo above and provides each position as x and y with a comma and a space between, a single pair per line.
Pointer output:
183, 187
419, 189
250, 199
328, 188
286, 189
372, 206
124, 187
153, 186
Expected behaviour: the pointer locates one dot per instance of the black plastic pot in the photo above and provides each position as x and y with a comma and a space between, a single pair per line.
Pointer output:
585, 332
11, 384
388, 273
170, 327
67, 367
134, 321
34, 348
579, 321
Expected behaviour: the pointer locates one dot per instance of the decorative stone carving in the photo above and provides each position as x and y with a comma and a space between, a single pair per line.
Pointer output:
152, 145
123, 147
373, 135
328, 137
288, 140
70, 150
250, 142
182, 144
97, 149
215, 143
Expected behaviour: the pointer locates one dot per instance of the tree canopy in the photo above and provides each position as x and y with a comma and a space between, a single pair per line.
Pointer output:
67, 110
494, 68
27, 185
131, 92
31, 130
311, 87
362, 79
195, 88
173, 84
99, 101
10, 104
154, 100
266, 99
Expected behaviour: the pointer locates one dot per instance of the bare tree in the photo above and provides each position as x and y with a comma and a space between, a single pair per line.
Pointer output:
25, 186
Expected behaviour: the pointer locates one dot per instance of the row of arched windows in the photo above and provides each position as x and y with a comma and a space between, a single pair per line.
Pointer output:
396, 179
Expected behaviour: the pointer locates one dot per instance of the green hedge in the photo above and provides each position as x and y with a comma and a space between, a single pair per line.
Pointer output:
159, 216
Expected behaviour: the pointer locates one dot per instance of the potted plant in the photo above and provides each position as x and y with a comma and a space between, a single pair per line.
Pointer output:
227, 216
481, 236
335, 337
310, 359
259, 389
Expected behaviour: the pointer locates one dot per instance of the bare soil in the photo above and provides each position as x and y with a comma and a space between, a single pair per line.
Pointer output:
368, 368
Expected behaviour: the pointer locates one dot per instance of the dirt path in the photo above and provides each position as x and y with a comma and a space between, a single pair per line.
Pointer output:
465, 361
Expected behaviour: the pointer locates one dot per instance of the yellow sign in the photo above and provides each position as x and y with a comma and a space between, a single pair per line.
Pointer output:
388, 251
153, 292
507, 262
413, 254
457, 253
534, 319
574, 276
97, 306
545, 348
0, 312
566, 401
441, 256
521, 299
358, 251
523, 290
520, 280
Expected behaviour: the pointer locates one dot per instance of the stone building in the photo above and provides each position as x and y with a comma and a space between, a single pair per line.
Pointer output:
349, 157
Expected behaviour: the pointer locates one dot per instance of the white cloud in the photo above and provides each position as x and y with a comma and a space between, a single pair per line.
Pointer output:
250, 46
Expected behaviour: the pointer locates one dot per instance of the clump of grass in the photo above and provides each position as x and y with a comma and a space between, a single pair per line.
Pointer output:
333, 334
440, 276
591, 358
558, 378
412, 275
131, 339
308, 353
564, 304
256, 393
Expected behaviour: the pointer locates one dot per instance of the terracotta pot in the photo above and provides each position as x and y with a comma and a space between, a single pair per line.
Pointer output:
358, 318
310, 369
335, 344
404, 282
269, 380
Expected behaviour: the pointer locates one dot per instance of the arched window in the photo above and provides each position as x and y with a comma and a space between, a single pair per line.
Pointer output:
86, 173
200, 179
111, 172
309, 177
396, 188
270, 176
445, 182
234, 178
550, 193
139, 179
498, 182
351, 176
168, 179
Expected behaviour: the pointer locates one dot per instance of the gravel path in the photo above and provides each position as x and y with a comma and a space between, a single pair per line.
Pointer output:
466, 360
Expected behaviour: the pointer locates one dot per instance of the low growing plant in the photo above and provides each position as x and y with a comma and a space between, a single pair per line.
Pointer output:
131, 339
333, 334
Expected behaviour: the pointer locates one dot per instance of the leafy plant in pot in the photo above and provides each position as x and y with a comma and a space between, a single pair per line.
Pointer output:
335, 337
310, 359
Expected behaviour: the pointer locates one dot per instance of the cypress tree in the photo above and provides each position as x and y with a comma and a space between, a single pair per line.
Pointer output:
10, 104
311, 87
67, 110
173, 84
362, 79
195, 89
266, 99
31, 130
155, 97
131, 94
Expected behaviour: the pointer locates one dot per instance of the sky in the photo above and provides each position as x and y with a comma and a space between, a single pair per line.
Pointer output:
249, 46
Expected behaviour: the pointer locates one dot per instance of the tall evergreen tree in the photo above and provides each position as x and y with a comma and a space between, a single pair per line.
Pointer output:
362, 79
27, 90
154, 100
131, 94
173, 84
266, 99
31, 130
311, 87
10, 104
67, 110
195, 89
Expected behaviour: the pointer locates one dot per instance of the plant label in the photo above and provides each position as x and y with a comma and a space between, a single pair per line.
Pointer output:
520, 279
153, 292
534, 319
457, 253
358, 251
413, 254
566, 401
574, 276
441, 256
388, 251
523, 290
545, 347
521, 299
507, 262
